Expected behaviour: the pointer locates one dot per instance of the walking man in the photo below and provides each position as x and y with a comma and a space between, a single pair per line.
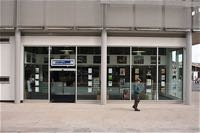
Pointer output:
138, 88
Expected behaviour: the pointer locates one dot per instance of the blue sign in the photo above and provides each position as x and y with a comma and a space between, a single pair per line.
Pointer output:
62, 62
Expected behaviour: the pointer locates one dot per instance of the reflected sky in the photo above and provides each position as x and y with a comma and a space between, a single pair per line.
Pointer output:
196, 53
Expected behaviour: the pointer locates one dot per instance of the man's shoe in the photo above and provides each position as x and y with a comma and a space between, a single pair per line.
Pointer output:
137, 109
133, 107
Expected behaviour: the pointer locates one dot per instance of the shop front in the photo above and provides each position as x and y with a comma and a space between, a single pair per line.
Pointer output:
72, 73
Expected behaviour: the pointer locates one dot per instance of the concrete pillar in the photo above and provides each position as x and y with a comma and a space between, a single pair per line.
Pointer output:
104, 67
17, 65
188, 79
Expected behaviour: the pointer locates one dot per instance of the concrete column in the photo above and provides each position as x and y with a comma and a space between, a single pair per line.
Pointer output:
104, 67
17, 65
188, 71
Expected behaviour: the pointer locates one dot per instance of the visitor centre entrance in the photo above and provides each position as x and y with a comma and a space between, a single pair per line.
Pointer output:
72, 73
62, 85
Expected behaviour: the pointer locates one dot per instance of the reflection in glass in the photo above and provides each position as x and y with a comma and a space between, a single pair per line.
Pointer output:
88, 73
144, 68
35, 73
118, 76
63, 57
171, 74
62, 86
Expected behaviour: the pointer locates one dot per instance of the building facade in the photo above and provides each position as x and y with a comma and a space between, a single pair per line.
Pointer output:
70, 51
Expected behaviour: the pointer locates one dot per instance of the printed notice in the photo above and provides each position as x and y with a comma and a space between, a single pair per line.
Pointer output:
36, 76
89, 83
89, 70
89, 89
90, 77
36, 89
109, 83
36, 83
110, 70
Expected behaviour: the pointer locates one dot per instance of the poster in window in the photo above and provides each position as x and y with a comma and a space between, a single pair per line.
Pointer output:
89, 70
82, 59
36, 76
36, 83
162, 83
110, 70
122, 71
109, 77
36, 89
37, 70
96, 59
136, 77
89, 89
89, 83
148, 90
110, 83
121, 59
162, 71
90, 77
138, 60
148, 82
137, 70
163, 77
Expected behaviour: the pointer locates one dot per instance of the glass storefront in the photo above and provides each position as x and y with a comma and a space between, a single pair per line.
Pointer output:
170, 74
62, 74
36, 72
144, 61
88, 73
74, 73
118, 76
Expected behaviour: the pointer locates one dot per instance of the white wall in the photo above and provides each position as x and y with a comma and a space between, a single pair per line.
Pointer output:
61, 41
96, 41
7, 68
146, 41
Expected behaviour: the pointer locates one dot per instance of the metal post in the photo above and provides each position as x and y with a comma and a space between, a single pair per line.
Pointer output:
157, 63
104, 67
49, 81
76, 91
18, 66
131, 62
188, 71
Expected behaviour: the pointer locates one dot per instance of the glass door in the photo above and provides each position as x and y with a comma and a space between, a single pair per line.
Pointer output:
62, 74
62, 86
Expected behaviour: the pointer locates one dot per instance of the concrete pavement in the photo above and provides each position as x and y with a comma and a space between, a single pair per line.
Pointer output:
113, 117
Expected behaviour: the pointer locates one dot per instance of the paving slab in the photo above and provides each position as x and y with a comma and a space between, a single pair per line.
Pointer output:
112, 117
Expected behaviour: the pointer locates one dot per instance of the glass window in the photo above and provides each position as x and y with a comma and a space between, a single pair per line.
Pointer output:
118, 73
88, 73
170, 74
144, 62
36, 72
